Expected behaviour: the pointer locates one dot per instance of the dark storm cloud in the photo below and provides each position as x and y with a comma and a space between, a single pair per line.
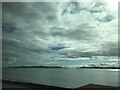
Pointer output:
57, 48
8, 28
21, 31
28, 11
110, 48
16, 52
15, 9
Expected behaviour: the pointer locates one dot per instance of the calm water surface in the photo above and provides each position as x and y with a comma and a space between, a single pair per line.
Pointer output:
70, 78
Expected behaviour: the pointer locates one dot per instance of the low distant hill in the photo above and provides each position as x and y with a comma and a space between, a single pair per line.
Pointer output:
65, 67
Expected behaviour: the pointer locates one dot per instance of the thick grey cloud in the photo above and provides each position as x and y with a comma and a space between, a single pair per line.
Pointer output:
81, 32
77, 7
107, 18
37, 32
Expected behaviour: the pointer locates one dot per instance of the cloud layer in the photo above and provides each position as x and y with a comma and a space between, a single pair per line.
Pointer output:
41, 33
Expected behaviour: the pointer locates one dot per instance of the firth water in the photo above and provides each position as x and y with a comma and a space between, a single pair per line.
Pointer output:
69, 78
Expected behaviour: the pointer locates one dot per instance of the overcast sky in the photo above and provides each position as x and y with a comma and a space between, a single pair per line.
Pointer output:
40, 33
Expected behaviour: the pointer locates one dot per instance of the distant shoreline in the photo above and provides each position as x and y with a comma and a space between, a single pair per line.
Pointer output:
64, 67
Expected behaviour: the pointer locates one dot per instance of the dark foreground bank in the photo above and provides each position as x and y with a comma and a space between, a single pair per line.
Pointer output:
14, 85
